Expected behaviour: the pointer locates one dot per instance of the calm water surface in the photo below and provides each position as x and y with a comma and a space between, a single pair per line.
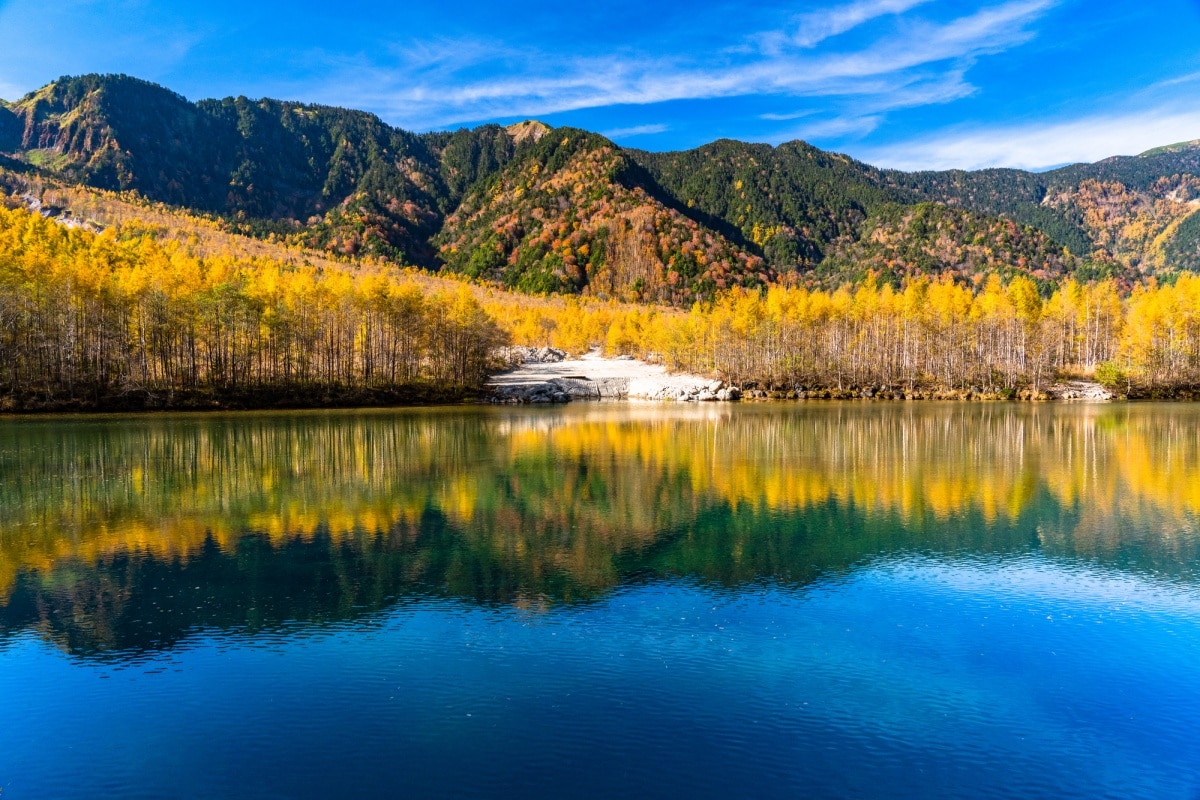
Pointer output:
840, 600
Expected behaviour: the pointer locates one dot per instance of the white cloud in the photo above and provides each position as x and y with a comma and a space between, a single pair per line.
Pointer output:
1041, 145
788, 116
835, 128
1176, 81
939, 89
818, 26
449, 55
990, 30
920, 54
636, 130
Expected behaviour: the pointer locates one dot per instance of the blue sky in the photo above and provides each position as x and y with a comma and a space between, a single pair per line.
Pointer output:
906, 83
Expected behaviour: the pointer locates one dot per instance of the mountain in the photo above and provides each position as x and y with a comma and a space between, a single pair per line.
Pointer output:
794, 202
346, 182
578, 214
545, 209
801, 205
351, 182
1130, 211
907, 241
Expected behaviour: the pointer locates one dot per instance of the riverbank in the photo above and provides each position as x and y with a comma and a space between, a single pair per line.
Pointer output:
1063, 390
546, 375
543, 376
233, 399
1060, 390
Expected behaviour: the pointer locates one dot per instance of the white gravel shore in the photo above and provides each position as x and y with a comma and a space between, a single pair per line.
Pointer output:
595, 377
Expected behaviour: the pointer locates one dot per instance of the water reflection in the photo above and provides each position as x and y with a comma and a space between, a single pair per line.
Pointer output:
125, 535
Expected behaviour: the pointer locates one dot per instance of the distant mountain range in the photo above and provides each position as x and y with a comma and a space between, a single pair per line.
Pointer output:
560, 209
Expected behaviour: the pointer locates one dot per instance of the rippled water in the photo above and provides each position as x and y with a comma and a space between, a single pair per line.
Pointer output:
837, 600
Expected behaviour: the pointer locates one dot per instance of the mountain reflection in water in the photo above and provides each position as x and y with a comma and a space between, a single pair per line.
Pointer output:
125, 535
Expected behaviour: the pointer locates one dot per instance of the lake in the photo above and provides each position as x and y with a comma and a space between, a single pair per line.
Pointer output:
839, 600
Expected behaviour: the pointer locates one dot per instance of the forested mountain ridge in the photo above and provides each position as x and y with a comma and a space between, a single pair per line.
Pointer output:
341, 179
1130, 211
793, 201
826, 219
577, 214
802, 205
901, 242
544, 209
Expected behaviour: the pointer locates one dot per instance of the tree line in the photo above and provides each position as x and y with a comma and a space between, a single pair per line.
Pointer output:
992, 335
87, 313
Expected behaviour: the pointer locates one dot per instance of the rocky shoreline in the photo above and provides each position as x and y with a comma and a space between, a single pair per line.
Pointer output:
547, 375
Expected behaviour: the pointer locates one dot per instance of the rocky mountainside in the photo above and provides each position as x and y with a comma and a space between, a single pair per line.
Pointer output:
545, 209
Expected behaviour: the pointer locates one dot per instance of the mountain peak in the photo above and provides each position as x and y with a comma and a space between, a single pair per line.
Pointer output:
73, 89
529, 130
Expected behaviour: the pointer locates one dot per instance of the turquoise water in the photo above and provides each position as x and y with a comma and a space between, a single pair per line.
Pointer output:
838, 600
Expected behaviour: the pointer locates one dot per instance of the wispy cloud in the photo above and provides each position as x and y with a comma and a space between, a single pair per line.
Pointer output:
449, 55
816, 27
911, 91
990, 30
1042, 145
1178, 80
433, 86
636, 130
836, 127
790, 115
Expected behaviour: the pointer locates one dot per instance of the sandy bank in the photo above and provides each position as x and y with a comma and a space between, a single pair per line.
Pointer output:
548, 376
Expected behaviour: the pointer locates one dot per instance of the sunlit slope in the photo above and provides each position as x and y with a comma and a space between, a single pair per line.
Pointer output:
667, 227
130, 215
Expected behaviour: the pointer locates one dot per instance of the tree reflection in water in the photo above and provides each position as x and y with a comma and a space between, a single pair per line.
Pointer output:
122, 535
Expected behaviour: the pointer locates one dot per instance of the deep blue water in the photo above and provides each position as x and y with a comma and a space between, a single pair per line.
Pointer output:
781, 601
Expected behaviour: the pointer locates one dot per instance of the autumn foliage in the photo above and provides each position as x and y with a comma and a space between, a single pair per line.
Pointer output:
133, 308
578, 215
998, 337
85, 313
